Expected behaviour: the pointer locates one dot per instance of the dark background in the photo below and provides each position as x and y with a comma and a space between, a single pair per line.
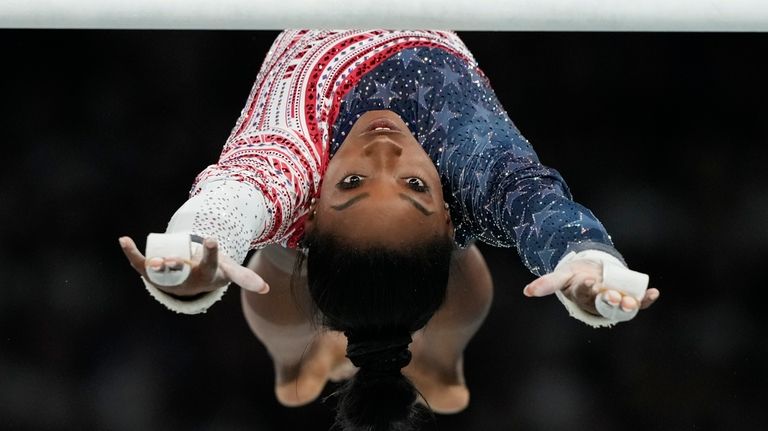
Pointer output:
661, 135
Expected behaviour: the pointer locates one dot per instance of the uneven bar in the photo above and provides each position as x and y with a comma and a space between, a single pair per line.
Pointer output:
485, 15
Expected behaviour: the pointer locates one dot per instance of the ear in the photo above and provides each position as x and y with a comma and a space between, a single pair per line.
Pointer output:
310, 221
448, 220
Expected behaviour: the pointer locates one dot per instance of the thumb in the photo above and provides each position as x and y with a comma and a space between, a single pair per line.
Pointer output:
244, 277
548, 284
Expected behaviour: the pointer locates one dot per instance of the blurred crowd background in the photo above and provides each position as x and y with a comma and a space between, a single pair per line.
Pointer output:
662, 135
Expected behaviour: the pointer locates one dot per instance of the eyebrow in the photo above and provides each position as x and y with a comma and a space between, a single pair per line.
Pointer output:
416, 203
361, 196
350, 202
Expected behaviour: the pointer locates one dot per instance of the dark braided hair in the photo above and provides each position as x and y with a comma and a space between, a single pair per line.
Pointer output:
378, 296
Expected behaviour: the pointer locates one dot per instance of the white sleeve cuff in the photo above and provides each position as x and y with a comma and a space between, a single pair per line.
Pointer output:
196, 306
232, 212
613, 273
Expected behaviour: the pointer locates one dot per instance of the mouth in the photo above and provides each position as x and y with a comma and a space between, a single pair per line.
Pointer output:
382, 125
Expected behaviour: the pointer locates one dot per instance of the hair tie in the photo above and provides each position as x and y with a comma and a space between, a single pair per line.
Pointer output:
379, 354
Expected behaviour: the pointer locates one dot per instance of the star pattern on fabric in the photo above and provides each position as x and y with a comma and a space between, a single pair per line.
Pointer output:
384, 92
549, 191
545, 256
482, 112
407, 56
483, 141
520, 230
539, 217
422, 94
444, 116
449, 76
510, 198
514, 165
577, 223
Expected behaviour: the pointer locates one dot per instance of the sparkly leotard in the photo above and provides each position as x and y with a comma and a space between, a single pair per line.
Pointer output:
314, 85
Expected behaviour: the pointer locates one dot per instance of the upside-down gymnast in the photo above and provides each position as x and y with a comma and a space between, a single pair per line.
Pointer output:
363, 167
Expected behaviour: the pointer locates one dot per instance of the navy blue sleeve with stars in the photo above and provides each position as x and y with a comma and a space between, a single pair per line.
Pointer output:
498, 191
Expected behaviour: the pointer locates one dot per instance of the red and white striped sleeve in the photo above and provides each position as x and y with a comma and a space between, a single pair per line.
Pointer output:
258, 191
270, 158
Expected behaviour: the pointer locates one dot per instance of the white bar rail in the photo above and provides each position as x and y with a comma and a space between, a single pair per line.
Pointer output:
500, 15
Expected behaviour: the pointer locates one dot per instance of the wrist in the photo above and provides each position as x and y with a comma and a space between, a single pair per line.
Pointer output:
596, 256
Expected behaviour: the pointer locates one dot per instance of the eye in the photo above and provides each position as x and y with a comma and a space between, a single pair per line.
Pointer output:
416, 184
350, 181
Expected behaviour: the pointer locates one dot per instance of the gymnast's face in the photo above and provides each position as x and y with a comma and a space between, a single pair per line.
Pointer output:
381, 187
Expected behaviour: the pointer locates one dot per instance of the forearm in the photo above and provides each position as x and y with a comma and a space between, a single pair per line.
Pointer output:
552, 226
233, 212
538, 217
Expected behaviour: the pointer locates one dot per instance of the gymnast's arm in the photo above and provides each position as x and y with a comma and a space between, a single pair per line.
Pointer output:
501, 194
257, 194
505, 197
241, 202
525, 204
222, 217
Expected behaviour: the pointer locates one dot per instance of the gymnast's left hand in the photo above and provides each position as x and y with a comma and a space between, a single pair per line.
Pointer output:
210, 270
581, 281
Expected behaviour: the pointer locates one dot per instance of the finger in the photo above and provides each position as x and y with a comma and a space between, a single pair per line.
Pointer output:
548, 284
611, 297
209, 264
244, 277
133, 254
155, 264
651, 295
173, 263
628, 303
608, 305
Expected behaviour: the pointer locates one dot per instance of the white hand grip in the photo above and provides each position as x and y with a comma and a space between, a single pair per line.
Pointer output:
626, 281
164, 245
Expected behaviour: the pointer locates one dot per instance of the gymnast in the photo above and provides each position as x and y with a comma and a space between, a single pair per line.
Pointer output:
363, 167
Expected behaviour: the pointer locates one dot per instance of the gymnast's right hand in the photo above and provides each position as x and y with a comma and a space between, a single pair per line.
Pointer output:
209, 270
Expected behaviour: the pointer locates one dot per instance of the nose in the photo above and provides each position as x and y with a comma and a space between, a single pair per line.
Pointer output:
383, 148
